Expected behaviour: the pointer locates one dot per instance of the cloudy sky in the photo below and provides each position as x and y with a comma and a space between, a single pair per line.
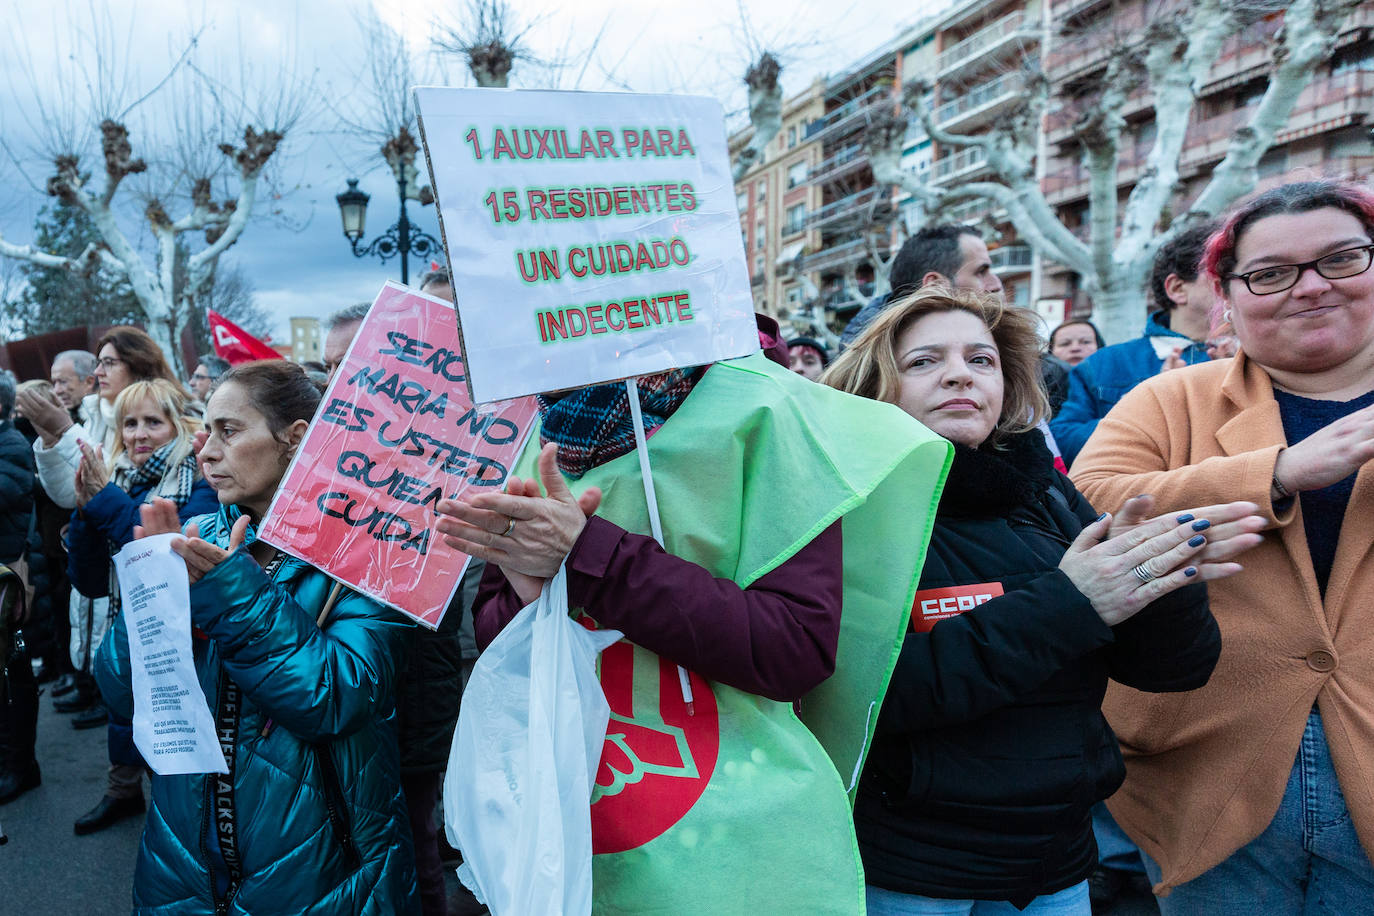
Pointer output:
294, 251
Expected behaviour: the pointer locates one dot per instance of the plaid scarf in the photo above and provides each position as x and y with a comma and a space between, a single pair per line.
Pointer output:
593, 425
169, 473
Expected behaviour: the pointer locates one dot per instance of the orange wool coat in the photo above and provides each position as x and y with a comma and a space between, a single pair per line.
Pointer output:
1206, 769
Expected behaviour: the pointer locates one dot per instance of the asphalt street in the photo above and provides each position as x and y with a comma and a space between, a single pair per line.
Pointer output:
46, 870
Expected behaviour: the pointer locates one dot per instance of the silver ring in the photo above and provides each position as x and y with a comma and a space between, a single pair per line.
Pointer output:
509, 528
1143, 574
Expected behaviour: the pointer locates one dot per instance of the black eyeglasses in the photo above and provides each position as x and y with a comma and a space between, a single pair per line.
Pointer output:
1348, 262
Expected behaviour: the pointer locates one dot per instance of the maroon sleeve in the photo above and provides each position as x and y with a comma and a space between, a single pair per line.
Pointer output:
776, 638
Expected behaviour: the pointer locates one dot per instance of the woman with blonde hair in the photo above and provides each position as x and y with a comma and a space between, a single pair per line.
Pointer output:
991, 748
153, 458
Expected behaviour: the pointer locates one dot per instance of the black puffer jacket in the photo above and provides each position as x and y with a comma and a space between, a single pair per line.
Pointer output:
429, 690
991, 747
16, 490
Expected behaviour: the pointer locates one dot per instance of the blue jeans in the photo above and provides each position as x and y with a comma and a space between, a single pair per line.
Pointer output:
1307, 862
1071, 901
1114, 849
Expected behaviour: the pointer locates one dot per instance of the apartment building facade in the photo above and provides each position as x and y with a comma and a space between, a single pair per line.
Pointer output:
971, 52
976, 54
1327, 134
775, 199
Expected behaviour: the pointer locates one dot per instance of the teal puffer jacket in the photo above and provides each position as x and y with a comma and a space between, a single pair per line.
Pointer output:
320, 821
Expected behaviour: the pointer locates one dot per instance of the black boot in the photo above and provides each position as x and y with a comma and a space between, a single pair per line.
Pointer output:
14, 783
108, 811
18, 724
84, 696
63, 685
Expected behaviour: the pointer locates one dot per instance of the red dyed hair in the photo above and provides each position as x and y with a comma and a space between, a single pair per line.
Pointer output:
1219, 258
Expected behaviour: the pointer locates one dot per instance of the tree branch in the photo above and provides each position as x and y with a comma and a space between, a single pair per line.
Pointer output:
765, 111
1180, 52
82, 262
914, 97
1309, 31
1026, 208
251, 159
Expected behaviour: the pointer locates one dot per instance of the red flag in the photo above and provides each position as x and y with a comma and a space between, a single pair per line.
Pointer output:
236, 345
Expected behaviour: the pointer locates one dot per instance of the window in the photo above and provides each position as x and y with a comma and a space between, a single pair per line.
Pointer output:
796, 174
1352, 59
760, 235
761, 192
742, 199
794, 296
791, 136
796, 219
1273, 162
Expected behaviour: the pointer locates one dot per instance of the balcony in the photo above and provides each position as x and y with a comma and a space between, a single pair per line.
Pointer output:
849, 115
1011, 259
869, 199
849, 159
960, 165
834, 257
1001, 34
969, 211
980, 103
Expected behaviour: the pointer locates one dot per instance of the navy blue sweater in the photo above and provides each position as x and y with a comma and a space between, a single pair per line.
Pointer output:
1323, 510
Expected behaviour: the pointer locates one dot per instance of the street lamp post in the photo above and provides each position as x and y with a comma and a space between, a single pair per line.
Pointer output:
401, 239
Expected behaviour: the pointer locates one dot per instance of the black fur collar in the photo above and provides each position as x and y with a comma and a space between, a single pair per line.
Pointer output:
993, 481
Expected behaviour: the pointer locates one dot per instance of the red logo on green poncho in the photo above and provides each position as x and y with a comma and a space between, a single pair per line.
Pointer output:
657, 759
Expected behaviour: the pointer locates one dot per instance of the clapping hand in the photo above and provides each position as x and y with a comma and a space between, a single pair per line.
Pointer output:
1331, 454
1121, 566
525, 533
91, 476
160, 517
46, 413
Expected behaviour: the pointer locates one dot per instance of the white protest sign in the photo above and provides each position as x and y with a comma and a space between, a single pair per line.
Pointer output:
173, 727
592, 236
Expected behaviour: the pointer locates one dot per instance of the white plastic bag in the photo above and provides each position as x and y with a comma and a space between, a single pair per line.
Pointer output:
517, 798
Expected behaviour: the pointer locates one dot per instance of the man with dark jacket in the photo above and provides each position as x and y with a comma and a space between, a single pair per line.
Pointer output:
948, 253
430, 687
18, 691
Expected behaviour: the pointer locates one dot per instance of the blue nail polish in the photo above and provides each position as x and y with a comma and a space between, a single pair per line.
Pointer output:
1196, 540
1190, 571
1102, 516
1185, 517
1201, 525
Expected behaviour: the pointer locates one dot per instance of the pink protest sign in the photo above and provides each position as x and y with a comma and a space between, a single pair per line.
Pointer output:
395, 433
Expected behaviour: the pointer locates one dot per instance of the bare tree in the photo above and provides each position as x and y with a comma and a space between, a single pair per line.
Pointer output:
209, 146
765, 110
489, 39
1172, 55
381, 109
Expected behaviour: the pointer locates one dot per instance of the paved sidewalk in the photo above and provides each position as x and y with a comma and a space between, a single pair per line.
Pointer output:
45, 869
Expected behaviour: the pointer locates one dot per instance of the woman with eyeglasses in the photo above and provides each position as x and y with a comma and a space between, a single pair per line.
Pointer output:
123, 356
1256, 792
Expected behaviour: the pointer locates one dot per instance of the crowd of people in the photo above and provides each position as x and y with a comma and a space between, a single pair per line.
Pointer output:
1154, 669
